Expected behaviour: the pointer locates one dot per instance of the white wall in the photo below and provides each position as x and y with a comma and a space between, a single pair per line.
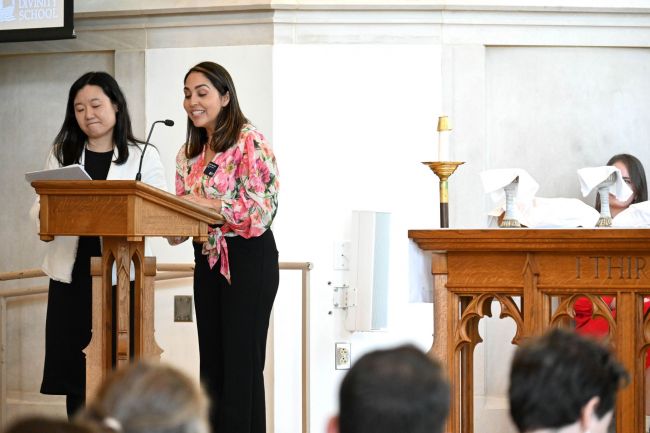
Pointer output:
352, 123
580, 104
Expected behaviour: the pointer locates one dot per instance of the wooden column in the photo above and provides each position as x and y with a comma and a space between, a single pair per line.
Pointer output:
630, 409
454, 366
439, 270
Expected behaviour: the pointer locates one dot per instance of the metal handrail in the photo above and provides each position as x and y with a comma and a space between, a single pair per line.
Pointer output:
170, 271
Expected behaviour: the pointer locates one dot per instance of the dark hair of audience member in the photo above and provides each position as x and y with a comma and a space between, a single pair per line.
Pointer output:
638, 181
396, 390
39, 424
554, 376
148, 397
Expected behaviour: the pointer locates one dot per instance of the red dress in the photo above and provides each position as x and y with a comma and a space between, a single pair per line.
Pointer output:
597, 326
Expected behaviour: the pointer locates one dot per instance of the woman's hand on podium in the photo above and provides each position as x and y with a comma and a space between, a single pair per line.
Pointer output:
210, 203
176, 240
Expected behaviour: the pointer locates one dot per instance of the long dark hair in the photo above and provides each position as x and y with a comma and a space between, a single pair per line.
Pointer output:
637, 177
230, 120
70, 141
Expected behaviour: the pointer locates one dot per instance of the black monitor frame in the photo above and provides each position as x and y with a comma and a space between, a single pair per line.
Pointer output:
45, 33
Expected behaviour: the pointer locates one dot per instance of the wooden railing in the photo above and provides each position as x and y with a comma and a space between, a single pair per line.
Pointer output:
167, 271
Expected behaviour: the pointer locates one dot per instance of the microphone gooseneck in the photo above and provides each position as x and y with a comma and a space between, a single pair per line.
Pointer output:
167, 122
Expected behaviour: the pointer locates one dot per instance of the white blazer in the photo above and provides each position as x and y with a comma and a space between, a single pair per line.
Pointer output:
62, 251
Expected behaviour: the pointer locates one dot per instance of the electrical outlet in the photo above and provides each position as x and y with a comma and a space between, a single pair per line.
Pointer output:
182, 308
342, 356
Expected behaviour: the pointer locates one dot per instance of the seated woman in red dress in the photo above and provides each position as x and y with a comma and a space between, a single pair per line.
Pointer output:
634, 175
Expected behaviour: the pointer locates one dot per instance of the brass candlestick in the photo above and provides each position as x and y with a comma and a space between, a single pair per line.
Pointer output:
443, 169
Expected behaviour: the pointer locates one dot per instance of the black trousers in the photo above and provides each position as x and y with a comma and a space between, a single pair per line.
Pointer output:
68, 329
232, 322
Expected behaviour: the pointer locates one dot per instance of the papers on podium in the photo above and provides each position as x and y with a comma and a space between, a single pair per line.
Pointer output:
69, 172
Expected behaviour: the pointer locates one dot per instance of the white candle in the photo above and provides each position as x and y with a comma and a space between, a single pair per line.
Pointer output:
444, 130
443, 146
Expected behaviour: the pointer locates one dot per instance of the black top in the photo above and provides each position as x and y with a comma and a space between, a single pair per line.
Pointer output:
97, 164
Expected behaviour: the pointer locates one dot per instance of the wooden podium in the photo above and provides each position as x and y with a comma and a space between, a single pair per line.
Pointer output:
536, 276
122, 212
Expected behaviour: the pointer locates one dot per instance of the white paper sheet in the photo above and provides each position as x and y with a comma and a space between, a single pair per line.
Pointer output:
69, 172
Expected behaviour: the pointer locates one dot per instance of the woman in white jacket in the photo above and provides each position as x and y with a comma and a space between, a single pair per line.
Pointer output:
96, 133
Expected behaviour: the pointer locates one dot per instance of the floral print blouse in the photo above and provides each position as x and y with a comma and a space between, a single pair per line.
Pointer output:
246, 182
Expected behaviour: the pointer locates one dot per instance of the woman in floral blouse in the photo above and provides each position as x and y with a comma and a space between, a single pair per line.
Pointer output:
227, 165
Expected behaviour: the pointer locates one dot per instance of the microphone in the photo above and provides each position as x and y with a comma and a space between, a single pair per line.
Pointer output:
167, 122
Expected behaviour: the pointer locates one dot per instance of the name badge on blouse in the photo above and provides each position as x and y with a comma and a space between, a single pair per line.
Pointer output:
210, 169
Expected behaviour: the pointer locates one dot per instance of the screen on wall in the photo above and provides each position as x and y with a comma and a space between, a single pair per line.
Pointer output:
36, 20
